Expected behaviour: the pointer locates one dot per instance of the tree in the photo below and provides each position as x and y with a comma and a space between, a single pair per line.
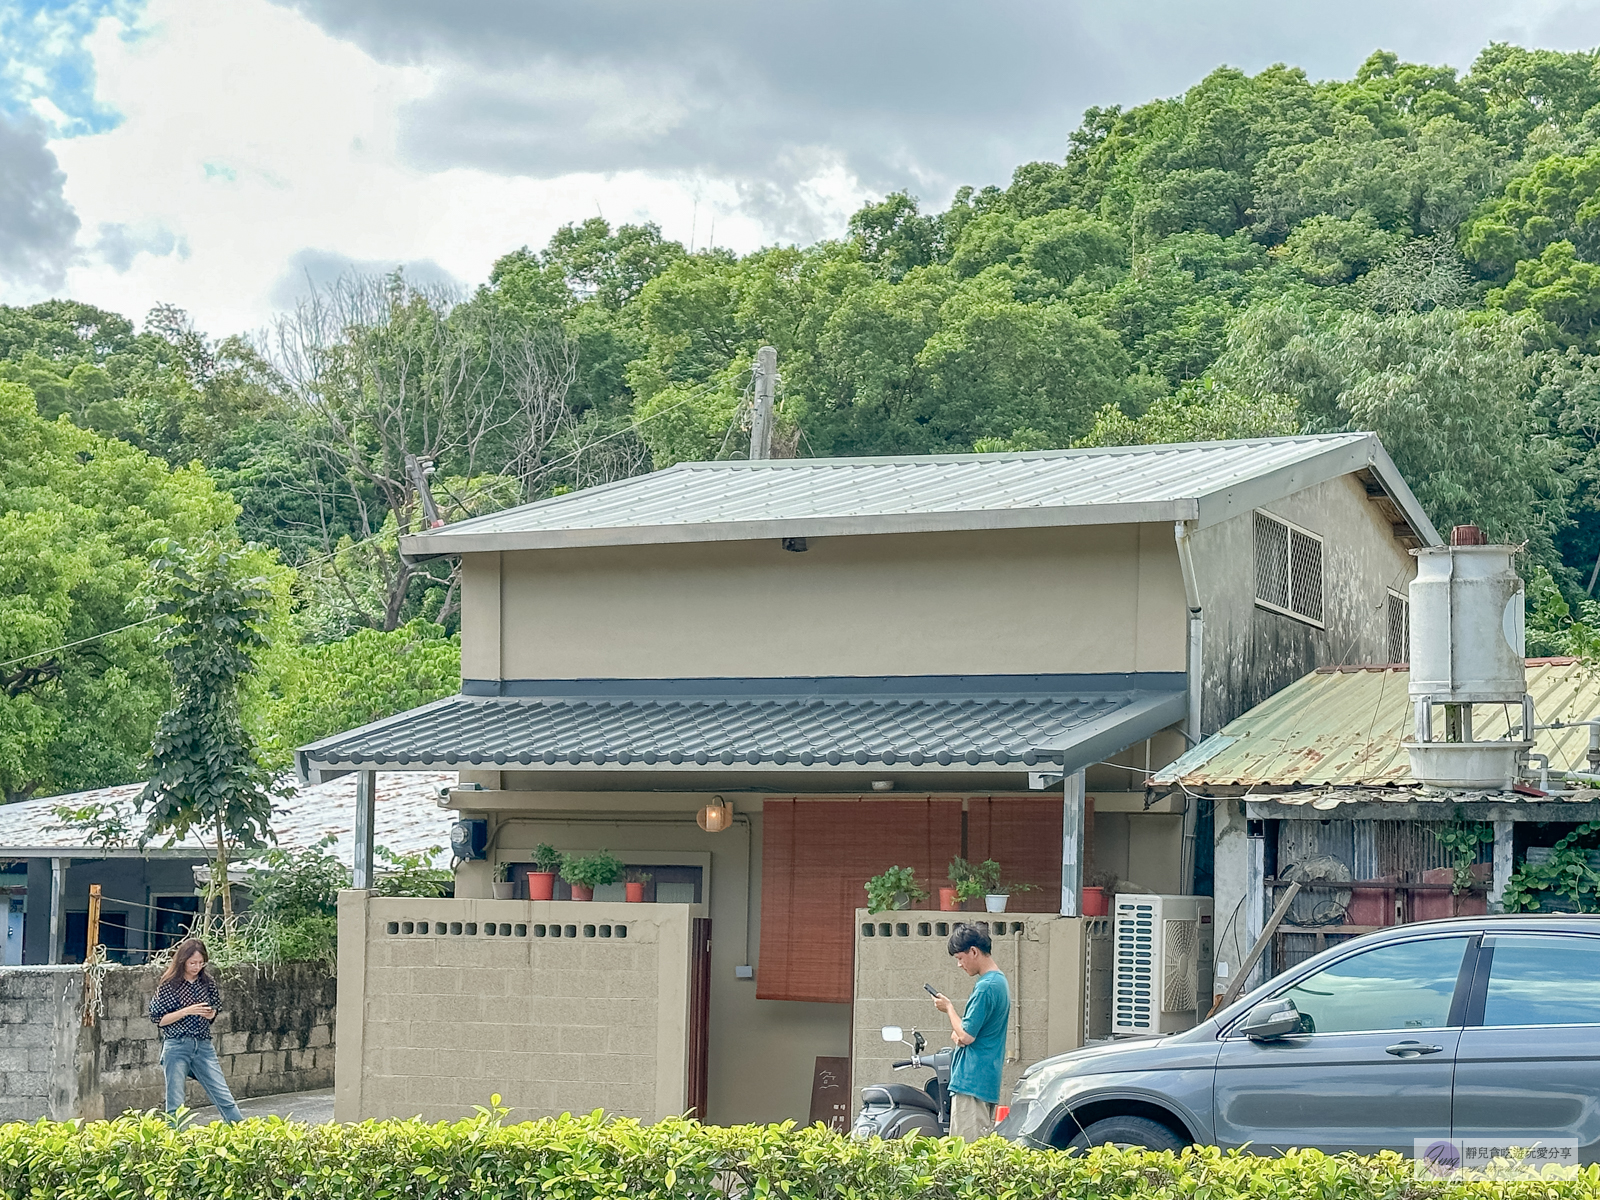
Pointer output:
306, 692
206, 773
1201, 411
1449, 393
81, 684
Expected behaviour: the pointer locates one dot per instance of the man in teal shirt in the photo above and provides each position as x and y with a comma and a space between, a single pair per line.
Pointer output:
979, 1034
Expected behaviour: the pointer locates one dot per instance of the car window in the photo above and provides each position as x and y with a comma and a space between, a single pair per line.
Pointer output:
1405, 986
1543, 980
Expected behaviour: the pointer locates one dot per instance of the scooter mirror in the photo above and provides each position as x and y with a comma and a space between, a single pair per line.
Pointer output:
893, 1033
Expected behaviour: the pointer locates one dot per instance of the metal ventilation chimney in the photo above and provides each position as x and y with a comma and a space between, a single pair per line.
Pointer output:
1467, 648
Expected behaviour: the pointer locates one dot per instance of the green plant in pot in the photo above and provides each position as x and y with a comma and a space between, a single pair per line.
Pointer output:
895, 888
505, 887
964, 886
547, 863
591, 871
634, 883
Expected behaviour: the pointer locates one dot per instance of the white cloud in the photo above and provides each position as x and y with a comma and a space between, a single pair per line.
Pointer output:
251, 137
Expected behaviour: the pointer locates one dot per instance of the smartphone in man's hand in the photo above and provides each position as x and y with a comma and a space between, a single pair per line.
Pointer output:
931, 990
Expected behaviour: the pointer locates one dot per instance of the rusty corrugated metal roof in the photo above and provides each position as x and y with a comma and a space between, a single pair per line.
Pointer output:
1343, 726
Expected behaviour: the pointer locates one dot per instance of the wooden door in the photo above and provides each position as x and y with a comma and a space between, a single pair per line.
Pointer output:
699, 1017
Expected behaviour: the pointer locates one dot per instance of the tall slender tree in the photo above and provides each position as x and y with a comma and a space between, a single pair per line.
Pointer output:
207, 774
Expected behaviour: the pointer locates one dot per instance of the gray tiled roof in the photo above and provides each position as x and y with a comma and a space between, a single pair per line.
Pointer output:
816, 497
744, 731
407, 819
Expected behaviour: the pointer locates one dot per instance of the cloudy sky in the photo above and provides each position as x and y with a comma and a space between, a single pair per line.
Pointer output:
216, 154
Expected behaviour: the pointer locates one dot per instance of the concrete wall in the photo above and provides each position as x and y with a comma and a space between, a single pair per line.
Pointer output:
436, 1022
1045, 961
1091, 599
275, 1034
762, 1051
1251, 652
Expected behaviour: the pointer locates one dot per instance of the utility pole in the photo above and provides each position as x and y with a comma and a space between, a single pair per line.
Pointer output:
418, 470
761, 415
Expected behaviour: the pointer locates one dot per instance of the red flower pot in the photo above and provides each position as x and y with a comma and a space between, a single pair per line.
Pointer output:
948, 901
541, 885
635, 892
1095, 902
579, 892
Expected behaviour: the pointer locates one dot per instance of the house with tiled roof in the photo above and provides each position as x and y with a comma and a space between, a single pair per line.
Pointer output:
150, 899
762, 683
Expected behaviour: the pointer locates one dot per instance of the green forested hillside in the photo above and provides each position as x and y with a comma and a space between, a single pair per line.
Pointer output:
1414, 251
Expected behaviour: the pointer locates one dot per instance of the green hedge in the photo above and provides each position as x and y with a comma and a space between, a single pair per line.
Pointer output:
577, 1158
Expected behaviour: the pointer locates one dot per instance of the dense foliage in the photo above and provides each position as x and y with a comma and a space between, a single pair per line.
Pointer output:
588, 1158
1415, 250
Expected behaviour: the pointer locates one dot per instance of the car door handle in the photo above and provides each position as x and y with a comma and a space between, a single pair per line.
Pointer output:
1411, 1049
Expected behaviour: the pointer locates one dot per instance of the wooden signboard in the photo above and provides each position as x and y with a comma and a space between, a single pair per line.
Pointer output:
830, 1093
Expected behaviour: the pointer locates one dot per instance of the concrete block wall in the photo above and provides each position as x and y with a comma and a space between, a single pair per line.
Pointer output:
557, 1006
276, 1033
1045, 960
41, 1011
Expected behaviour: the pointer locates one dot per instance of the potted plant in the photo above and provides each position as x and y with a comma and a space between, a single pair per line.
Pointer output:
950, 897
1003, 890
634, 885
546, 865
590, 871
895, 888
504, 888
972, 882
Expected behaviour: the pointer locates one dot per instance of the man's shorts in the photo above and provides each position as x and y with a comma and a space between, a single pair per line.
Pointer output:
970, 1118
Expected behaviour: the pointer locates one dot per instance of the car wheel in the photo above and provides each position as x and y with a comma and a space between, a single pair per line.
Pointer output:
1128, 1133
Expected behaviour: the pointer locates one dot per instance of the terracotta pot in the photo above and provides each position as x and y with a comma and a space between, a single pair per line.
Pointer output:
635, 892
579, 892
1095, 902
948, 901
541, 885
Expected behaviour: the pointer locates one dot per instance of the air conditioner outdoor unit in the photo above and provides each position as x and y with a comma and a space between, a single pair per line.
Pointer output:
1161, 973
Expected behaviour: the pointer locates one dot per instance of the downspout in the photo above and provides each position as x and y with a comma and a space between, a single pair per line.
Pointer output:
1182, 534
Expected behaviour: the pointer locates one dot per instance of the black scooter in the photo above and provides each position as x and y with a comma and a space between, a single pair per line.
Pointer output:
897, 1110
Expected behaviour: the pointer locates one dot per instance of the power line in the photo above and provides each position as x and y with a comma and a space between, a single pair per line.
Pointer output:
80, 642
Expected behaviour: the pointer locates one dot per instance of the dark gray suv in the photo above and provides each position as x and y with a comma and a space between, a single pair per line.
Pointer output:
1477, 1027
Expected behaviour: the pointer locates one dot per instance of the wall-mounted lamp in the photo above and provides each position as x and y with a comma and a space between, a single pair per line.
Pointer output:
716, 816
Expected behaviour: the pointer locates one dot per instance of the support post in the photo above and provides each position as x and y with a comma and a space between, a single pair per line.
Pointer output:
1072, 848
57, 880
1502, 864
366, 797
766, 378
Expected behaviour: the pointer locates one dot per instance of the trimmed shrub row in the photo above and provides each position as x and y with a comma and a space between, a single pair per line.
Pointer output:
586, 1158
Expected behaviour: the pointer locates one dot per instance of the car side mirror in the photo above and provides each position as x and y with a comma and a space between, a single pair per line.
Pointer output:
893, 1033
1271, 1020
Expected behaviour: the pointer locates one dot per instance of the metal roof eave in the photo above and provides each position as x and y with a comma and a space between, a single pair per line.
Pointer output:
439, 543
1333, 463
1092, 741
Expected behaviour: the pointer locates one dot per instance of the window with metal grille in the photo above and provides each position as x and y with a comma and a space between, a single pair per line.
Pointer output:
1399, 627
1288, 569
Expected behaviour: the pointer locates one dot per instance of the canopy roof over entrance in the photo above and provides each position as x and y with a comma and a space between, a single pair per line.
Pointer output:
681, 728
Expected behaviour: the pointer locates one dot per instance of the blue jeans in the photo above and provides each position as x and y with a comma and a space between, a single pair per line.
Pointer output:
182, 1057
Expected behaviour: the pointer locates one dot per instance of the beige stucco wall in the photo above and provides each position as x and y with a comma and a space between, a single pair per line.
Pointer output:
762, 1051
434, 1023
1093, 599
1043, 958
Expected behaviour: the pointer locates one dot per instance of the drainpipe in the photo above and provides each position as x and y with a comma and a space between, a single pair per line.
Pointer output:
1182, 533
